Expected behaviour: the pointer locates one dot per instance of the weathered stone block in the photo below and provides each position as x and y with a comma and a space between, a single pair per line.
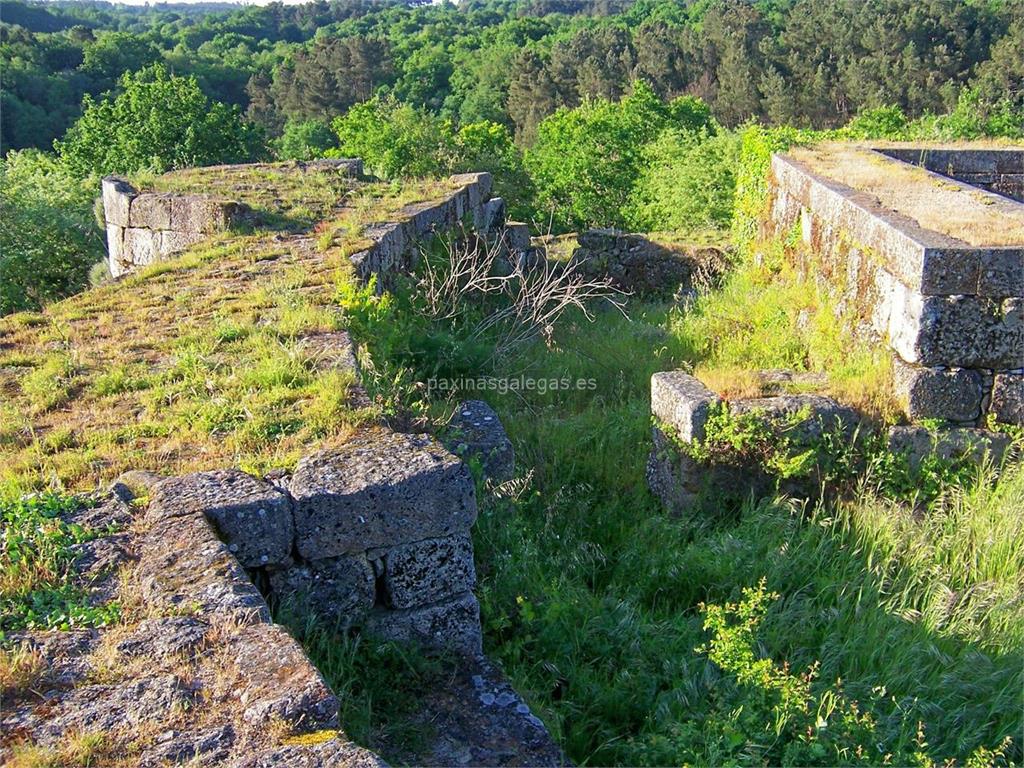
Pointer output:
492, 216
672, 476
150, 210
194, 213
428, 571
681, 402
172, 242
273, 680
970, 332
977, 445
1002, 273
453, 625
474, 430
517, 235
115, 249
929, 393
252, 516
1008, 398
378, 490
117, 199
184, 567
338, 589
141, 246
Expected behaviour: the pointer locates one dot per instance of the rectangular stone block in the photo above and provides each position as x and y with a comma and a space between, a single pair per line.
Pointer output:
115, 249
976, 445
453, 625
253, 517
930, 393
380, 489
1008, 398
474, 431
428, 571
969, 332
274, 681
517, 235
172, 243
141, 246
183, 566
1001, 273
337, 589
681, 402
150, 210
194, 213
117, 198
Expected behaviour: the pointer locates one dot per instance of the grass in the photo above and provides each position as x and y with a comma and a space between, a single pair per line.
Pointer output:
943, 205
203, 361
905, 631
36, 558
363, 673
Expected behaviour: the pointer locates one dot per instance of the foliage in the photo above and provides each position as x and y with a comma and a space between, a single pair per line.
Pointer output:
36, 555
304, 140
686, 182
586, 160
48, 236
392, 138
157, 121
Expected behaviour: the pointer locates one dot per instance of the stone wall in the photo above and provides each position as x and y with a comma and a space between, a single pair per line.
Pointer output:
687, 466
642, 267
143, 227
953, 314
394, 250
997, 170
374, 534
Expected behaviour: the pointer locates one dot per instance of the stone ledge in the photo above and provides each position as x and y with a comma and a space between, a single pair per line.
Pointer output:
379, 490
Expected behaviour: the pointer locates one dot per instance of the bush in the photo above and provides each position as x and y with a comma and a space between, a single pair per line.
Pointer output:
687, 182
48, 237
156, 121
586, 160
304, 140
393, 139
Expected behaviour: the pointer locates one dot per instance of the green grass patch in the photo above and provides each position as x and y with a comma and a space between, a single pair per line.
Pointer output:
36, 559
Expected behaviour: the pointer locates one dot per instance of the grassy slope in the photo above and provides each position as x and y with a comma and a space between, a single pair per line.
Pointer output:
198, 362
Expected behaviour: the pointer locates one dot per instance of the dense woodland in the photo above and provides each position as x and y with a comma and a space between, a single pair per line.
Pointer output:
797, 62
613, 112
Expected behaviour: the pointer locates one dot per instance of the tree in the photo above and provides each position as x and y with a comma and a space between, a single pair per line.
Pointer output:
304, 140
586, 160
156, 121
392, 138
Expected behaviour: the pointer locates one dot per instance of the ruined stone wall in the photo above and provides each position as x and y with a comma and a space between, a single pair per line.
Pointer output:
997, 170
953, 314
144, 227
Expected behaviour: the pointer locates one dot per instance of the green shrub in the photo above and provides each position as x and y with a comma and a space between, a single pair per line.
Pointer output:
393, 139
48, 238
304, 140
158, 121
686, 182
587, 160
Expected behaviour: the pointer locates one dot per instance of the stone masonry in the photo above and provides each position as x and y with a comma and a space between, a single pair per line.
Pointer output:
682, 406
144, 227
997, 170
953, 314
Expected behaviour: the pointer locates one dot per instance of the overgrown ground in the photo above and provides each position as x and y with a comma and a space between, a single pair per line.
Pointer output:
212, 359
896, 636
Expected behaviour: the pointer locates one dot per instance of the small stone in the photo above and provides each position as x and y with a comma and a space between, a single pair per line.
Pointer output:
487, 698
476, 432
